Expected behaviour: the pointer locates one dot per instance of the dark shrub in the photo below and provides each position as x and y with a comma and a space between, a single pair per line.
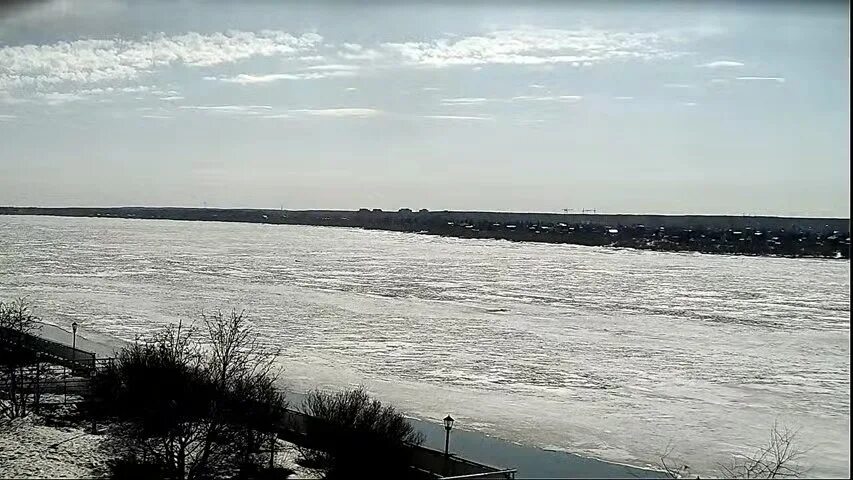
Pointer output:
193, 408
132, 469
357, 435
251, 471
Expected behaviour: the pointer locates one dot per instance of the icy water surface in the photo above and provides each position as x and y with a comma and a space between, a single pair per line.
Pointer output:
603, 352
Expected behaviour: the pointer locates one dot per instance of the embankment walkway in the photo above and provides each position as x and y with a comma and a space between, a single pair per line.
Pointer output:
78, 365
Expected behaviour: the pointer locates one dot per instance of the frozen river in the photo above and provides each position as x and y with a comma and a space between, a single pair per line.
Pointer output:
608, 353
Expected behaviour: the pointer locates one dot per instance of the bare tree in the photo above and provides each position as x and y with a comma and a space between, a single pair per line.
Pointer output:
17, 377
778, 459
243, 366
669, 469
236, 352
193, 406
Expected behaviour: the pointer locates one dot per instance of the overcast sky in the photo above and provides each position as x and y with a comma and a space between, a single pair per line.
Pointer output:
709, 108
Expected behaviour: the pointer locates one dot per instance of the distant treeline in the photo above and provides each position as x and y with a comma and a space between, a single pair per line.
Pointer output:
781, 236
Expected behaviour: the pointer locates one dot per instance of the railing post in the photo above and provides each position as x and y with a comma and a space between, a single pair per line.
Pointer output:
38, 382
272, 450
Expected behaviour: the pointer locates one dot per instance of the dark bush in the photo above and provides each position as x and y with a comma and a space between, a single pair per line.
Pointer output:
194, 408
252, 471
354, 434
132, 469
17, 374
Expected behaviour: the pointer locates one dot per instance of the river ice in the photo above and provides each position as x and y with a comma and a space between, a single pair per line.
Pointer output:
609, 353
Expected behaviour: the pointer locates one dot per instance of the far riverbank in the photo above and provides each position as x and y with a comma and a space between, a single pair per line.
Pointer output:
714, 234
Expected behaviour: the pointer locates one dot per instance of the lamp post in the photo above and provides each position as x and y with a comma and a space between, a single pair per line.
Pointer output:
448, 424
73, 345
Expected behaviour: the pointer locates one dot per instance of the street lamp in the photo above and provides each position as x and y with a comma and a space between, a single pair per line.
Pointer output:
73, 345
74, 335
448, 424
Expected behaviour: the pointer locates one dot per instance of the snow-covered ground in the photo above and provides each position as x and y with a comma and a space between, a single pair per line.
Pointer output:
609, 353
31, 449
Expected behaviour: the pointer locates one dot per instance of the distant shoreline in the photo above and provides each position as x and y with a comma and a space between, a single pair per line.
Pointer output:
715, 234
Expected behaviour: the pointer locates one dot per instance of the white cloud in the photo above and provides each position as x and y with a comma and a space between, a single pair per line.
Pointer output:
59, 98
355, 51
93, 60
431, 89
719, 81
623, 98
172, 97
334, 67
157, 117
6, 118
339, 112
229, 109
363, 54
226, 107
548, 98
689, 104
458, 117
533, 46
677, 85
536, 85
277, 115
53, 98
519, 98
721, 64
351, 89
765, 79
463, 101
137, 89
247, 79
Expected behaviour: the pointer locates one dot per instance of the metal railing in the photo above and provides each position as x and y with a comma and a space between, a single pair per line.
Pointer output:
49, 384
49, 350
509, 473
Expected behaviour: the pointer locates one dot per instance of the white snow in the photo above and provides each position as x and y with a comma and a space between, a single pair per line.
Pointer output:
608, 353
286, 456
29, 449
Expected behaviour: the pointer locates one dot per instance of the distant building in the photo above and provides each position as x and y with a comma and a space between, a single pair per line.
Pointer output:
423, 210
377, 210
405, 210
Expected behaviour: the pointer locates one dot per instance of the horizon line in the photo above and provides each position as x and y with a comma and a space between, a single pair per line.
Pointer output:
588, 212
